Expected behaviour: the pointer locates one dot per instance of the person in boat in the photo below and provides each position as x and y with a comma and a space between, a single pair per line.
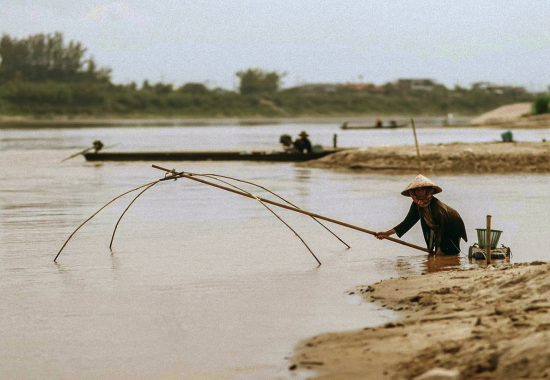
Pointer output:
303, 145
288, 145
379, 123
442, 225
97, 146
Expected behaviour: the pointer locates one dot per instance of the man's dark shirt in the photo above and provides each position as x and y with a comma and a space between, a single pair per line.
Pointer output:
450, 227
303, 144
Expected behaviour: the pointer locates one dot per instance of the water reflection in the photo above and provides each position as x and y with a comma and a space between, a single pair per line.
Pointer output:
440, 263
414, 265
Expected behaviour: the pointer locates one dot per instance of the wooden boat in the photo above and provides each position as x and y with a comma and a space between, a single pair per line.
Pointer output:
268, 156
345, 126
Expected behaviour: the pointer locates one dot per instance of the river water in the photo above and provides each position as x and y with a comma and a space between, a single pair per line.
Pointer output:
202, 283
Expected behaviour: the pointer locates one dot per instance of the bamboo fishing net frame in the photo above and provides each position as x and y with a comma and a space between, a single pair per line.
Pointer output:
171, 174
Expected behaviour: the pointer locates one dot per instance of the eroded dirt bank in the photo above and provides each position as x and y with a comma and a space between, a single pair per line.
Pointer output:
492, 157
467, 324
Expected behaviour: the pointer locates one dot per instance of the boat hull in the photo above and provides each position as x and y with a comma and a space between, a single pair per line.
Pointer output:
345, 126
207, 156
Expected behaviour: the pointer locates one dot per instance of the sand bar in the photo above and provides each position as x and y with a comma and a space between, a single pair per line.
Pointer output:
454, 158
484, 323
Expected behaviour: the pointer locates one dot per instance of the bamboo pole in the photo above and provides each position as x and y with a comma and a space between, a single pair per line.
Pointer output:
98, 211
176, 175
417, 149
130, 205
217, 176
267, 207
77, 154
86, 151
488, 240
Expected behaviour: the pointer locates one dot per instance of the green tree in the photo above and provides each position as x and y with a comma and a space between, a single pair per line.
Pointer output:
194, 89
146, 86
161, 88
41, 57
256, 81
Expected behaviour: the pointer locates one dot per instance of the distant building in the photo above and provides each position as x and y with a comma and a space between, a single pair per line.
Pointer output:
358, 86
377, 90
499, 90
416, 84
316, 88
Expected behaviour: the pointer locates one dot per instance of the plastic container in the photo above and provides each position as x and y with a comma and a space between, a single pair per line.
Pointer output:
507, 136
482, 237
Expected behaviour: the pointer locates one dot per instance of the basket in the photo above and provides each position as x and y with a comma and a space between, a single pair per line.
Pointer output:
482, 237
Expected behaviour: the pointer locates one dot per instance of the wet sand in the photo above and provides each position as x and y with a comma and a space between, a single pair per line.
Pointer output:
456, 158
487, 323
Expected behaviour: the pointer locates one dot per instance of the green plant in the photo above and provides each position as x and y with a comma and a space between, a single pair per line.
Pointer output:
540, 106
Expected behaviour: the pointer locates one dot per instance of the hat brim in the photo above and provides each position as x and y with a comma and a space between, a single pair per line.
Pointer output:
436, 188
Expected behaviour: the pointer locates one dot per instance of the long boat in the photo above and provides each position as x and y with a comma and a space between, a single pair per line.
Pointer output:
391, 126
273, 156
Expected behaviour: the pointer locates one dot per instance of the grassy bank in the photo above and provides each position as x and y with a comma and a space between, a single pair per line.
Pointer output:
48, 101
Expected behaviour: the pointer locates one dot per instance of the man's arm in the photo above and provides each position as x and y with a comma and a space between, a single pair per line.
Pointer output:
410, 220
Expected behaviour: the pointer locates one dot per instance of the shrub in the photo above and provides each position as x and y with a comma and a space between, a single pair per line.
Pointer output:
541, 105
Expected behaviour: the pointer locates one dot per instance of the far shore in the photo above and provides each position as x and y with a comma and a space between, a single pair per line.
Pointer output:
512, 116
178, 120
488, 323
489, 120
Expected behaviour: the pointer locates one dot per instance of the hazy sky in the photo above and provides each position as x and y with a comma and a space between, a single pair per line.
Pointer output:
506, 42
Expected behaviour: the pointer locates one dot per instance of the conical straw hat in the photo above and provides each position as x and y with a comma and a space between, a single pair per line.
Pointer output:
421, 181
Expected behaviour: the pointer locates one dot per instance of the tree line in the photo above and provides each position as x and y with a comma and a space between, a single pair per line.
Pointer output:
41, 75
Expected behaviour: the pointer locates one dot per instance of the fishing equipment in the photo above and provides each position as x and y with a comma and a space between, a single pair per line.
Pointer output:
172, 174
98, 211
486, 246
96, 147
212, 176
417, 149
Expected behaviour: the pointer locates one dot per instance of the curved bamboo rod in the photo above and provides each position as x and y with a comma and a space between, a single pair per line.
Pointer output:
275, 194
175, 175
119, 219
97, 212
266, 206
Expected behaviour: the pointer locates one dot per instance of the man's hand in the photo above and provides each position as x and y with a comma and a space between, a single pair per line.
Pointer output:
384, 234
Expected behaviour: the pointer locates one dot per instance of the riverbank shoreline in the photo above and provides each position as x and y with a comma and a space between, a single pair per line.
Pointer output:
485, 323
156, 120
453, 158
513, 116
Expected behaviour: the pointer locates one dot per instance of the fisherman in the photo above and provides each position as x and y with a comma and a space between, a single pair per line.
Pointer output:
288, 146
98, 145
303, 144
442, 225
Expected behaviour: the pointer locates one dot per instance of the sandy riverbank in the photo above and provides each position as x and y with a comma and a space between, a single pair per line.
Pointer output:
488, 323
455, 158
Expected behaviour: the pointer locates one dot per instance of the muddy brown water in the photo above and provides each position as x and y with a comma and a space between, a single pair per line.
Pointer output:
202, 283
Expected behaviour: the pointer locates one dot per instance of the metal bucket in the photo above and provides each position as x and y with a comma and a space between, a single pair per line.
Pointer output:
482, 237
